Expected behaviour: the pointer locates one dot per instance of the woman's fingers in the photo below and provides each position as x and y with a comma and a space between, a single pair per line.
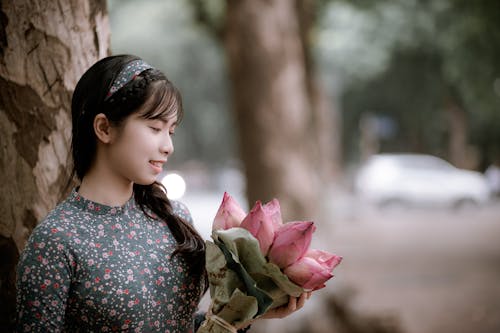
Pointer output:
301, 301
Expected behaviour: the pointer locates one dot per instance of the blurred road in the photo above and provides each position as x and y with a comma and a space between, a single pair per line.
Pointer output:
433, 271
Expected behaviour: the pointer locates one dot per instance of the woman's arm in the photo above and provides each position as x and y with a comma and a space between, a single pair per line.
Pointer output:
43, 281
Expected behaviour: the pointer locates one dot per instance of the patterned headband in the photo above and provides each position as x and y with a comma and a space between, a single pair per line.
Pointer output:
127, 74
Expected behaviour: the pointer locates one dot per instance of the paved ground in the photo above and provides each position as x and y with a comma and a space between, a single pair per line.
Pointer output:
433, 271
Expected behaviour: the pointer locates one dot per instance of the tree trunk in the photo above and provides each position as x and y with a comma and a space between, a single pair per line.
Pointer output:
457, 126
45, 46
325, 133
271, 100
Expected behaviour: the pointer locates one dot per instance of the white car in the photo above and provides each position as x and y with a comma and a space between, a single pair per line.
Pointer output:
416, 180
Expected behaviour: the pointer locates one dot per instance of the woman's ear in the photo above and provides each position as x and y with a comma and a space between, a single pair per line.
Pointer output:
102, 128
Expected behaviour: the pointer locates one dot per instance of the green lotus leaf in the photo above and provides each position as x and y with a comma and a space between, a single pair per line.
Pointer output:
251, 288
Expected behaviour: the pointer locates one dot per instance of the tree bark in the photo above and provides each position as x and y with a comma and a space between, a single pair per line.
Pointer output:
45, 46
271, 99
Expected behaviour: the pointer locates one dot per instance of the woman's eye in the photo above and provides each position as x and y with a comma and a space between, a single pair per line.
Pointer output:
155, 129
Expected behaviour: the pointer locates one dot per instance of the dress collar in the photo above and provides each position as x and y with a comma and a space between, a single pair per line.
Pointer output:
97, 208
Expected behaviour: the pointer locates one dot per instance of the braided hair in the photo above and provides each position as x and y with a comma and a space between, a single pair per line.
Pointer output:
156, 97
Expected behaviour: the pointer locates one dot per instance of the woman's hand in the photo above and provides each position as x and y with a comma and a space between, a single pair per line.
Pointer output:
294, 304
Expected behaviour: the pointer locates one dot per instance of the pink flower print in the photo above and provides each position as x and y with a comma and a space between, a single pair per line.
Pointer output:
60, 247
119, 292
175, 289
45, 261
36, 303
113, 211
90, 262
130, 304
104, 301
56, 285
54, 230
87, 284
130, 278
115, 242
107, 276
100, 227
47, 282
77, 241
41, 245
144, 289
149, 241
90, 206
129, 271
112, 313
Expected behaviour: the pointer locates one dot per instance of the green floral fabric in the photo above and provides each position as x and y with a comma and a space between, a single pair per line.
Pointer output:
94, 268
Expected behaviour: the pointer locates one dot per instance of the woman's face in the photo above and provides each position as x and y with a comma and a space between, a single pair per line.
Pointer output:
140, 147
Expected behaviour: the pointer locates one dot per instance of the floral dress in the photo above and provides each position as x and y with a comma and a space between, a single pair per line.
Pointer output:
94, 268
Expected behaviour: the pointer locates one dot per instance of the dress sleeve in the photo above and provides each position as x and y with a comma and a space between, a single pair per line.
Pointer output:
43, 281
181, 210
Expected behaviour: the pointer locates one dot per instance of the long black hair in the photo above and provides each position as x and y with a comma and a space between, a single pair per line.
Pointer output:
163, 100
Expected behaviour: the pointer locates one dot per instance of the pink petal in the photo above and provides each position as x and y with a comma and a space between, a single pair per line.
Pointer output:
291, 242
260, 225
229, 214
273, 209
308, 273
324, 258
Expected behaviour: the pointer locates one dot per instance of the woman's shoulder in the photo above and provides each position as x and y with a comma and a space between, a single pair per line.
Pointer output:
59, 219
180, 209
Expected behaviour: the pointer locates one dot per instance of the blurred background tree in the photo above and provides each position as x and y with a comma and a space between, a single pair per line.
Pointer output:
425, 72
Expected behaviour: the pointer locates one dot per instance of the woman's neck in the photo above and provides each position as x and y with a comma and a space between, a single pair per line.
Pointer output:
105, 189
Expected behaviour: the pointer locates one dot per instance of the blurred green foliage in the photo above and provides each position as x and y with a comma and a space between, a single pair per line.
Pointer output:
405, 60
400, 61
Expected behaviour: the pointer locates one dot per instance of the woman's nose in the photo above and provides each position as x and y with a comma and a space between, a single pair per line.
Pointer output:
167, 147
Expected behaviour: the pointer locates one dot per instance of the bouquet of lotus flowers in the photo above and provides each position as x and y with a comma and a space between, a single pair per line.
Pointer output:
256, 262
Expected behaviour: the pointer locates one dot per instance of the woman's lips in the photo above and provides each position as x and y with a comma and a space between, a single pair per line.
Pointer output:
157, 165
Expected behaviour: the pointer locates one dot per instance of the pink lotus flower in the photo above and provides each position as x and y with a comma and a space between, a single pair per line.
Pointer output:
259, 222
229, 215
291, 242
313, 269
